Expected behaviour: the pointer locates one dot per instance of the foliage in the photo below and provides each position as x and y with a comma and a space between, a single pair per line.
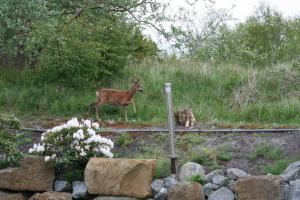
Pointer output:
198, 179
278, 166
9, 121
276, 93
264, 39
73, 143
123, 140
266, 151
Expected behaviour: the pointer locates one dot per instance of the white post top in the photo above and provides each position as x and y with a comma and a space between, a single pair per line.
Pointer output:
167, 87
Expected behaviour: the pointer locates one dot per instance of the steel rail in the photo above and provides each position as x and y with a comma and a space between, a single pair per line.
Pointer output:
158, 130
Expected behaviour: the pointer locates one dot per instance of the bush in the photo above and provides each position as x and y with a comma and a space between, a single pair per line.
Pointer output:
73, 143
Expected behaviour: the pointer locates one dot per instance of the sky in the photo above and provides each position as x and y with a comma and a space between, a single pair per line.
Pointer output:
240, 10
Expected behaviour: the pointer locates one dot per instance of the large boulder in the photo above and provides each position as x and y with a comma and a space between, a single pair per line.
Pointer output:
221, 194
11, 196
189, 170
119, 177
115, 198
209, 176
234, 173
292, 172
186, 190
259, 188
51, 196
34, 174
219, 181
294, 193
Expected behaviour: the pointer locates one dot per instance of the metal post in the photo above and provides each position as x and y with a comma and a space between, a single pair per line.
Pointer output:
173, 155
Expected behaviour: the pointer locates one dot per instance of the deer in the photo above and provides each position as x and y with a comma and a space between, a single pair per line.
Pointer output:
117, 97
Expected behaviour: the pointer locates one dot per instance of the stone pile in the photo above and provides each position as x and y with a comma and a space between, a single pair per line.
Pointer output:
122, 179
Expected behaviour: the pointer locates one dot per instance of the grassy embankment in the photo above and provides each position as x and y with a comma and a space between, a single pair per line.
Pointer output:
218, 94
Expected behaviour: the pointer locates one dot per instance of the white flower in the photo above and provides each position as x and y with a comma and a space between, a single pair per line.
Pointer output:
31, 150
95, 125
53, 156
106, 152
87, 147
82, 153
77, 147
87, 123
47, 158
78, 134
40, 148
91, 131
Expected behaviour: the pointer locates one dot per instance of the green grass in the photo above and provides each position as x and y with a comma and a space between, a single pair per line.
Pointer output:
222, 94
123, 140
266, 151
278, 166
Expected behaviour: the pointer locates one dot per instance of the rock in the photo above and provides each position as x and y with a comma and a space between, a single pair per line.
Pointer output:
259, 188
115, 198
51, 196
221, 194
286, 191
209, 176
11, 196
62, 186
219, 181
170, 182
292, 172
156, 185
232, 185
234, 174
79, 190
162, 194
294, 193
119, 177
186, 190
208, 189
191, 169
34, 174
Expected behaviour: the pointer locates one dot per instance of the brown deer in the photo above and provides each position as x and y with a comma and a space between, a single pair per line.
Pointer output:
117, 97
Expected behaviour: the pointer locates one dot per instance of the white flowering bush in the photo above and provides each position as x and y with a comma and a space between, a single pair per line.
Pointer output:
72, 142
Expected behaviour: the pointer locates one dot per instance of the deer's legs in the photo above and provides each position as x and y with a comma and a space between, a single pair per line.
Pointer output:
126, 114
134, 108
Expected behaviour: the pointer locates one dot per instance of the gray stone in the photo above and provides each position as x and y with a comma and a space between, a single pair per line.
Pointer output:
294, 193
219, 181
208, 189
221, 194
231, 185
170, 182
209, 176
162, 194
286, 191
234, 173
186, 191
191, 169
115, 198
292, 172
62, 186
156, 185
79, 190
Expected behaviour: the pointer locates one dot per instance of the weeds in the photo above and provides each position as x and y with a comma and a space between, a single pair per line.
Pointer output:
123, 140
277, 167
266, 151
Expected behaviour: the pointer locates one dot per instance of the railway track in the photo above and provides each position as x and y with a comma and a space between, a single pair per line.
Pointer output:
182, 130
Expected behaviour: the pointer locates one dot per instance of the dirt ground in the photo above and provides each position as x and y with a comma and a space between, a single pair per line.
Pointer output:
240, 146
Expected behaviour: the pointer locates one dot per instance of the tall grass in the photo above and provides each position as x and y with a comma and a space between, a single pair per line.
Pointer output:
223, 93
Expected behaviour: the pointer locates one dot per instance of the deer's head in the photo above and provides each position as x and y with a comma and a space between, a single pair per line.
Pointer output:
136, 85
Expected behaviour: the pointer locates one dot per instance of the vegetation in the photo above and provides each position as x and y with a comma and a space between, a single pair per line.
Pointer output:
266, 151
198, 179
123, 140
10, 155
278, 166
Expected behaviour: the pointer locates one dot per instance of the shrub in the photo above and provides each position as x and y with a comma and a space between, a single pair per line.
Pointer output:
73, 143
9, 121
123, 140
197, 178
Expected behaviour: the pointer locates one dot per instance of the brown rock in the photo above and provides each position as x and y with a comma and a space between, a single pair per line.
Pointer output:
11, 196
34, 174
186, 190
259, 188
119, 177
51, 196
